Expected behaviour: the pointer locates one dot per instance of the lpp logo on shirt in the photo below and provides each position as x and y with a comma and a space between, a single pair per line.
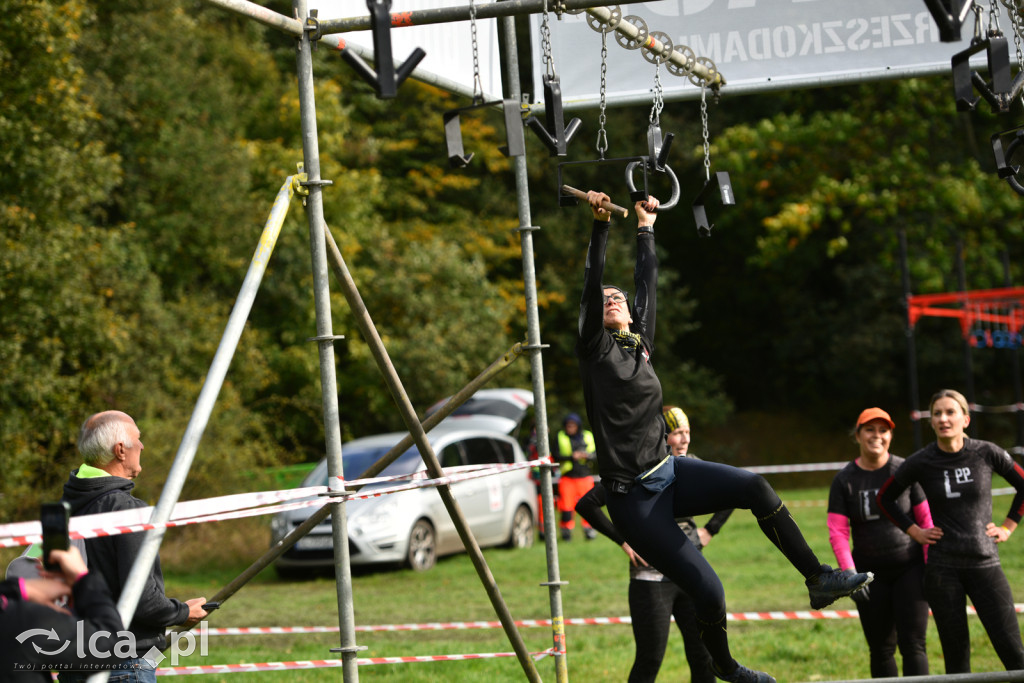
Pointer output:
961, 476
867, 504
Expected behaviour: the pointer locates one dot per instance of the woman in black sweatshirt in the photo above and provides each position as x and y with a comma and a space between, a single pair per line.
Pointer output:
955, 472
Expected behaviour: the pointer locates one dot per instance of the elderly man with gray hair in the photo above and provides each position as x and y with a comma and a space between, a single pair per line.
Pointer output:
111, 447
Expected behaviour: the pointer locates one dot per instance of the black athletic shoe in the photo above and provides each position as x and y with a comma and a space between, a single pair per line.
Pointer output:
828, 585
744, 675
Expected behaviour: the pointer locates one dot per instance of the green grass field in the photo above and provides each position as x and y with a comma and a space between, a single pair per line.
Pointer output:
755, 575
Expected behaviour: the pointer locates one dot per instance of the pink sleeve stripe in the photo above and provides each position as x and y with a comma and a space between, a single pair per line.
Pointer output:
839, 537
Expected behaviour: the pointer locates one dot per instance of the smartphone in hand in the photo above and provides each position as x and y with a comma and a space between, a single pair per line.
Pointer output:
54, 519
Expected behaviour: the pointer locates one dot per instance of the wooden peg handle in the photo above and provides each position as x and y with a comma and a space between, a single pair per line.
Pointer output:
606, 205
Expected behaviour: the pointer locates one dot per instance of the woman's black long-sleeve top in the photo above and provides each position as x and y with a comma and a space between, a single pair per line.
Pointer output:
621, 390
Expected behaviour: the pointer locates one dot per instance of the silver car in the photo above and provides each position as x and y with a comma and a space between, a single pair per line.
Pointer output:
413, 527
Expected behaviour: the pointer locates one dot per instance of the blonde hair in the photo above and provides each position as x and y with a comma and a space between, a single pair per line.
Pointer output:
953, 394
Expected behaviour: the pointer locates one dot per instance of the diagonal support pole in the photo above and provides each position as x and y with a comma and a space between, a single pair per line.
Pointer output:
136, 581
318, 516
419, 435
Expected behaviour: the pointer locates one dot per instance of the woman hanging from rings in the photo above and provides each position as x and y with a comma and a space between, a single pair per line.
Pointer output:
647, 489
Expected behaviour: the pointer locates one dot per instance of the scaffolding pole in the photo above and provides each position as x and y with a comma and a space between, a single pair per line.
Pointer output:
419, 435
325, 339
306, 29
510, 58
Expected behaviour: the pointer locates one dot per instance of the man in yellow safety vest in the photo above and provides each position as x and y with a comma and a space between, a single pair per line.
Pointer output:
576, 455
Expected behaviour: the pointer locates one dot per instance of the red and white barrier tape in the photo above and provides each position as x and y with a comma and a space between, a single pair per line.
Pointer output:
367, 661
241, 505
237, 506
784, 615
331, 663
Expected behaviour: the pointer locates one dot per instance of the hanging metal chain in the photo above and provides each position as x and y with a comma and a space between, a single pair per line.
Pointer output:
602, 136
1015, 8
1018, 28
993, 20
545, 43
478, 88
704, 125
659, 96
976, 8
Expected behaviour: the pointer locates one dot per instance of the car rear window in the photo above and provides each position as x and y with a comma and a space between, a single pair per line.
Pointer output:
357, 461
486, 406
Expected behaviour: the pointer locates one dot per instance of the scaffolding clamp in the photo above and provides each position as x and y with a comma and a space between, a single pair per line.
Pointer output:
515, 141
298, 182
313, 30
720, 181
1001, 90
557, 135
386, 79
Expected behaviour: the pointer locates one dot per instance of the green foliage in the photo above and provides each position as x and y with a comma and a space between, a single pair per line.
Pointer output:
112, 245
802, 288
143, 145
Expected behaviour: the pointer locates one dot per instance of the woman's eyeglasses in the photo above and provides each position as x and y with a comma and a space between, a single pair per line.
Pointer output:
614, 298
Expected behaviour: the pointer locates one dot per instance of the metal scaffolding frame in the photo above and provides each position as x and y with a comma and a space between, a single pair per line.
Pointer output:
309, 183
322, 246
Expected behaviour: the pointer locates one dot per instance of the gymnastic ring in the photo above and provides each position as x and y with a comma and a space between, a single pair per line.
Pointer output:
635, 196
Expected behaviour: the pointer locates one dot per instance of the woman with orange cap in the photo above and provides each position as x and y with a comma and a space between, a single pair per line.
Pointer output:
892, 610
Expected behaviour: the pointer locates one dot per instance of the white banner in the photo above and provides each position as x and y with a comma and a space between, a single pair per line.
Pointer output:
756, 45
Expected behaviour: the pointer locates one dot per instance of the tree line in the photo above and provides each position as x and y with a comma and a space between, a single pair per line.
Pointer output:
143, 144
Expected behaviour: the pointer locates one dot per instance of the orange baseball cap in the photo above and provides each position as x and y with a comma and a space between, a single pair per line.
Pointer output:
875, 414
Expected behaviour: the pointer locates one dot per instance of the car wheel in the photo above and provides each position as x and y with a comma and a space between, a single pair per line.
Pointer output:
422, 552
521, 534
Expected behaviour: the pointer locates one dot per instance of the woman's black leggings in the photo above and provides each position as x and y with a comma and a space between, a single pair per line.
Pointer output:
652, 604
896, 614
647, 521
947, 590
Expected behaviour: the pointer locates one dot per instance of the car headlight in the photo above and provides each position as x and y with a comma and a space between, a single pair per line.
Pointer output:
278, 527
379, 518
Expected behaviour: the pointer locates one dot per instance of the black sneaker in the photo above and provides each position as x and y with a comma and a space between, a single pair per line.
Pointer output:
828, 585
744, 675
